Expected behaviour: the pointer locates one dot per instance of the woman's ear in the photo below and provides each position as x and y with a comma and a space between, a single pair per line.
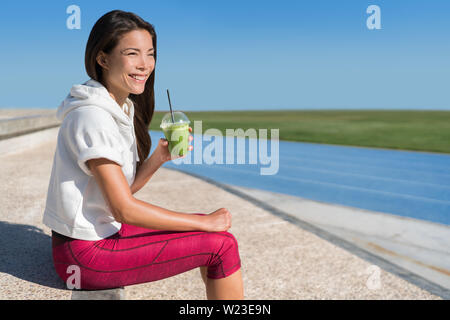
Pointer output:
102, 60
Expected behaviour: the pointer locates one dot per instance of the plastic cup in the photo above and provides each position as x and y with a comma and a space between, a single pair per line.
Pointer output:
176, 133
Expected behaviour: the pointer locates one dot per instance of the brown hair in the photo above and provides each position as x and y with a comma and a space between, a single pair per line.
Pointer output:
104, 36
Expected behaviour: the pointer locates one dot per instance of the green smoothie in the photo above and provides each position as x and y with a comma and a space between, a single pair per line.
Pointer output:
178, 137
176, 129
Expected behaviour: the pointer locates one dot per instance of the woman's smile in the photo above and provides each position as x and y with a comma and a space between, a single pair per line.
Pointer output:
137, 78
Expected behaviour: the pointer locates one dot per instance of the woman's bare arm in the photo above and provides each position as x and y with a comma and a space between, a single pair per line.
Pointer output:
129, 210
145, 172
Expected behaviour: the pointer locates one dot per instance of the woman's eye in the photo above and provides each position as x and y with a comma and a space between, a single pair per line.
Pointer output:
134, 53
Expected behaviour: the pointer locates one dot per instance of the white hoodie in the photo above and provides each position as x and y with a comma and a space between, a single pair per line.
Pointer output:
93, 126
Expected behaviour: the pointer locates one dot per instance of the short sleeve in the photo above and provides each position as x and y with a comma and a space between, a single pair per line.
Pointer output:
91, 137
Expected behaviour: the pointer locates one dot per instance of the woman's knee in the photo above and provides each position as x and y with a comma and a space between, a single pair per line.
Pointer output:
225, 256
223, 242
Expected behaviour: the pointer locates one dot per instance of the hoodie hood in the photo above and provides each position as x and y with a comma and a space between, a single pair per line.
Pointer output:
93, 93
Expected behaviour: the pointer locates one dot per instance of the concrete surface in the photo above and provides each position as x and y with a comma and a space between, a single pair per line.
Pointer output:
420, 248
112, 294
280, 260
18, 122
27, 141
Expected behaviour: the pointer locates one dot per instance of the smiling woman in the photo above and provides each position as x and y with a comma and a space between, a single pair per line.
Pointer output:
101, 160
114, 53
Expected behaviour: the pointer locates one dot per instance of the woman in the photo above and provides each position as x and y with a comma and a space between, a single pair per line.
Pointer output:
101, 160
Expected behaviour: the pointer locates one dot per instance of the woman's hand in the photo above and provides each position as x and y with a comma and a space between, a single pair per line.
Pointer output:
162, 150
219, 220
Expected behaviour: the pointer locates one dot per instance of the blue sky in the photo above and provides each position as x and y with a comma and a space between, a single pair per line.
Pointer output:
244, 54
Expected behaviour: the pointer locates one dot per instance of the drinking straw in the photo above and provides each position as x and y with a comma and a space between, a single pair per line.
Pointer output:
170, 105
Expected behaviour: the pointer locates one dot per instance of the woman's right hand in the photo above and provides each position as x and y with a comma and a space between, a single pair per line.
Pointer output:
219, 220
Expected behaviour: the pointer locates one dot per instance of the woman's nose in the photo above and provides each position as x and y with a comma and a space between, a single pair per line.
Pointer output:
146, 64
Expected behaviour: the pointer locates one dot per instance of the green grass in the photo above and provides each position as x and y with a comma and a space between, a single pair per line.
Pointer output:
407, 130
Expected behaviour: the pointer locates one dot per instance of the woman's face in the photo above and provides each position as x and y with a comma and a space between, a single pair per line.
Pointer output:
130, 63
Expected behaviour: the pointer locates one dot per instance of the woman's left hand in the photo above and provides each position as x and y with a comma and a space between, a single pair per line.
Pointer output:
162, 150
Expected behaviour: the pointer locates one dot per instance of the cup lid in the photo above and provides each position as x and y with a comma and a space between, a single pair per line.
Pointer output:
178, 116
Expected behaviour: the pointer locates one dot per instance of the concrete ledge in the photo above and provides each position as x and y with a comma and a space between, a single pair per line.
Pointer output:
16, 126
110, 294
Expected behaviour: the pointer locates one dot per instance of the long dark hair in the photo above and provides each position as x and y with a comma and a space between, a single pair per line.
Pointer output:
104, 36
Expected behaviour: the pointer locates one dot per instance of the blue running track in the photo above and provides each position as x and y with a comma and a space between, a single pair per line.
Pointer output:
403, 183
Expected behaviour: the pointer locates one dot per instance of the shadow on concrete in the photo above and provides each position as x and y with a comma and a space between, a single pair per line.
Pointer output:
26, 253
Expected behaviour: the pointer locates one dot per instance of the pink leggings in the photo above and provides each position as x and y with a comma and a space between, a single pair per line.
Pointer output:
137, 255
